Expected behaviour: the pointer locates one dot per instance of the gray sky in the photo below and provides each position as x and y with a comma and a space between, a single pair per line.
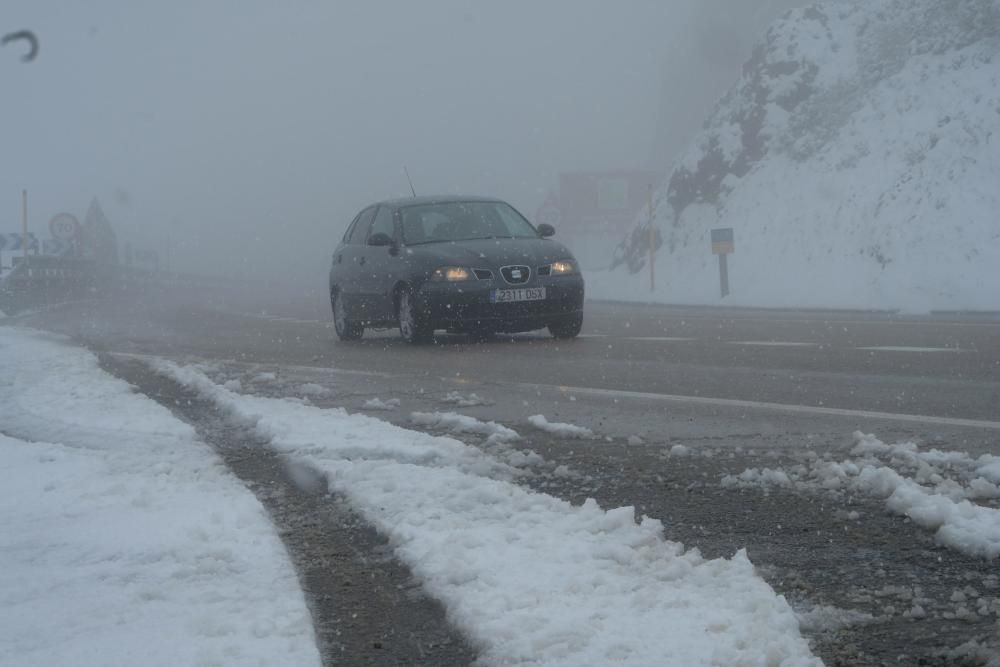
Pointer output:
247, 134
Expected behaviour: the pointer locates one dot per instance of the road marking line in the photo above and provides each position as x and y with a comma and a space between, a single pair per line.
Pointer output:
771, 343
621, 393
269, 318
288, 320
253, 364
761, 405
665, 339
900, 348
904, 320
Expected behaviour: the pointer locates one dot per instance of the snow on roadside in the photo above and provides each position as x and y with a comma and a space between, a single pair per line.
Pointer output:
378, 404
529, 578
934, 488
313, 389
560, 429
854, 132
124, 540
456, 423
499, 438
824, 618
470, 401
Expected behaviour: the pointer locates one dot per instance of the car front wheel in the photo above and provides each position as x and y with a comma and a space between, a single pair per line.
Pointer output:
567, 328
346, 329
412, 326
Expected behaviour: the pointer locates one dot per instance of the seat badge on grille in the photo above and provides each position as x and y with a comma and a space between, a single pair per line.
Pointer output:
516, 275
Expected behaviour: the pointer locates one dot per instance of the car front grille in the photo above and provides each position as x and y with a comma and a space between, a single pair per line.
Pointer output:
516, 275
483, 274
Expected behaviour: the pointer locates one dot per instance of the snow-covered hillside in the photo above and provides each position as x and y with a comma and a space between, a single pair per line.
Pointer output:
857, 160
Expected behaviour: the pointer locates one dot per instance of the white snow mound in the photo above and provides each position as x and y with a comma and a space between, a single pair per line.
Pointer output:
857, 161
529, 578
123, 539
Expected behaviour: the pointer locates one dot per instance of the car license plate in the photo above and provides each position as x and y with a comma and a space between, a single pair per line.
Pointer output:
512, 295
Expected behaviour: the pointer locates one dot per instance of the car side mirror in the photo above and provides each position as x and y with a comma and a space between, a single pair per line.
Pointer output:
380, 239
546, 230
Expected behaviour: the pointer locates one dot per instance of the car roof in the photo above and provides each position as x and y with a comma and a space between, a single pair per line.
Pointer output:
434, 199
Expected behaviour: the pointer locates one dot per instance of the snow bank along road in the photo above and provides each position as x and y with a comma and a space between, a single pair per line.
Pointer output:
529, 578
734, 430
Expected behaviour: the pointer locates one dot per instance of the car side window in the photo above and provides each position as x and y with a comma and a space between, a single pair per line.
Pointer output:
360, 230
383, 223
350, 229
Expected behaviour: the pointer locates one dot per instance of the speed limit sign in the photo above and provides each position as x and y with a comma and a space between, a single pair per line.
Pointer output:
64, 227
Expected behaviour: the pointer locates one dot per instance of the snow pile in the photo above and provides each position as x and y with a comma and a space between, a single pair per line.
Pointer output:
499, 438
456, 423
313, 389
856, 160
975, 653
560, 429
123, 540
529, 578
755, 477
470, 401
824, 618
934, 489
380, 405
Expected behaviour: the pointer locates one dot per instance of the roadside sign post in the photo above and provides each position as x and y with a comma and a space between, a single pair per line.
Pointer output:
24, 222
723, 246
64, 227
19, 242
652, 241
723, 276
65, 230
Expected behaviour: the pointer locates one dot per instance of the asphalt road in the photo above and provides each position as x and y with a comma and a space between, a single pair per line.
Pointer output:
739, 388
942, 370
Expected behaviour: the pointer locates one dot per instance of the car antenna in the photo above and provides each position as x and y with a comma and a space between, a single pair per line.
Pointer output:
407, 172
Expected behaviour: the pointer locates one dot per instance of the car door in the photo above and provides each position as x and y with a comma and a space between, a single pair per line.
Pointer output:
380, 268
347, 263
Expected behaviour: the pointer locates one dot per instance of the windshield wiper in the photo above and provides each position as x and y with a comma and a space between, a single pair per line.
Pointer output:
412, 243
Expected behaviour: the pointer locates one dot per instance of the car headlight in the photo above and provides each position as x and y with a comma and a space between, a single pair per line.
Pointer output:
562, 267
450, 274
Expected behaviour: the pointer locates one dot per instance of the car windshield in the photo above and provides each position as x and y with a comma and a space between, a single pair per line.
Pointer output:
463, 221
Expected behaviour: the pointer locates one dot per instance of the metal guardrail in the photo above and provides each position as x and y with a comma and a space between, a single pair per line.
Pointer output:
43, 280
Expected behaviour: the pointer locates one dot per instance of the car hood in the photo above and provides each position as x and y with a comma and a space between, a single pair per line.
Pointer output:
491, 253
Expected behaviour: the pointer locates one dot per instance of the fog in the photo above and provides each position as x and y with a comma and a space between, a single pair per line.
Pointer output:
240, 138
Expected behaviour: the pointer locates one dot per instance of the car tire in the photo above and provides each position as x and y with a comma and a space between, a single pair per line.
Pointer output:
346, 329
567, 328
413, 327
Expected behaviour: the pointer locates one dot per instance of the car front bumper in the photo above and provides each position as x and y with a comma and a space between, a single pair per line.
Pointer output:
466, 306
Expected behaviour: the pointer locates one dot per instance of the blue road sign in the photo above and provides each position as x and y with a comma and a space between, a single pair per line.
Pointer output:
722, 241
16, 242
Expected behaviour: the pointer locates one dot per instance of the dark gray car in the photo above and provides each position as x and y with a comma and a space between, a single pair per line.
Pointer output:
464, 264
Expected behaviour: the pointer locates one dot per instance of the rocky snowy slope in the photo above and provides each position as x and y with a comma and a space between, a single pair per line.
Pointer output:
857, 160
